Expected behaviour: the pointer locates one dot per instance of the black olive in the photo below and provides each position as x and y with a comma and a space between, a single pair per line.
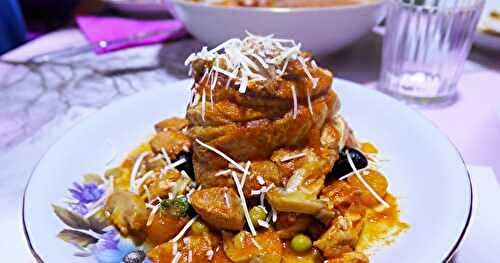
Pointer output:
342, 166
188, 165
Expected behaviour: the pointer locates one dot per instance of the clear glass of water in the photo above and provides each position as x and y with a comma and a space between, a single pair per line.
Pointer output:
425, 46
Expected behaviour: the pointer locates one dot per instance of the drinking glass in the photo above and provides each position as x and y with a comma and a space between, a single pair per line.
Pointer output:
425, 46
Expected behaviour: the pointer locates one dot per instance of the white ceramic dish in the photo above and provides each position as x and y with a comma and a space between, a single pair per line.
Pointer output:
320, 30
485, 40
425, 171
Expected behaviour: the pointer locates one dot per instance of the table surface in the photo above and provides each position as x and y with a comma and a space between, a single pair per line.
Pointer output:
41, 102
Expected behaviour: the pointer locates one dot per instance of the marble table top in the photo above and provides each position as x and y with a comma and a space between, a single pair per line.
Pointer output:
41, 102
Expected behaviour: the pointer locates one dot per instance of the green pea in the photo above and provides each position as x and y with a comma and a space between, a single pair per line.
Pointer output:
301, 243
256, 214
199, 228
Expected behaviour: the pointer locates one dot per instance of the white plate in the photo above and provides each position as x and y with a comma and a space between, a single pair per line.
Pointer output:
425, 171
484, 40
320, 30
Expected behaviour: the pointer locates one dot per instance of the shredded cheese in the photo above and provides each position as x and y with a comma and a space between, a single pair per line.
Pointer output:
255, 192
245, 59
351, 163
245, 173
152, 214
291, 157
210, 254
295, 104
135, 170
176, 257
263, 223
243, 204
259, 247
203, 104
165, 155
223, 172
309, 104
226, 200
172, 165
184, 229
274, 214
143, 179
260, 180
237, 165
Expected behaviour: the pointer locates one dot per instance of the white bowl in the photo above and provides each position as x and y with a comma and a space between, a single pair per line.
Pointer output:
320, 30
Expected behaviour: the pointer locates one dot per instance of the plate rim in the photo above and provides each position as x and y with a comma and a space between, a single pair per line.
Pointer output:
448, 256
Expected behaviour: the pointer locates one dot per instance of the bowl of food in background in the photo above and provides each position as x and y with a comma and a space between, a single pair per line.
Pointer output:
321, 26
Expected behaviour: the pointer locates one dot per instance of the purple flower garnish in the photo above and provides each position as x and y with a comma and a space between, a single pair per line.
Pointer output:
111, 247
79, 208
86, 193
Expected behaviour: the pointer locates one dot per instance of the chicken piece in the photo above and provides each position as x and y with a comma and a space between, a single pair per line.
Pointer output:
220, 256
290, 224
201, 246
262, 174
341, 237
349, 257
296, 201
220, 207
127, 211
174, 123
340, 195
243, 247
172, 141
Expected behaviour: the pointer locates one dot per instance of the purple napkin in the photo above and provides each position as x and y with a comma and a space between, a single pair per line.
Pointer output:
97, 29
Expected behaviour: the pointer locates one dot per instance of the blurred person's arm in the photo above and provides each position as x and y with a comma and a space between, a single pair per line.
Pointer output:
12, 28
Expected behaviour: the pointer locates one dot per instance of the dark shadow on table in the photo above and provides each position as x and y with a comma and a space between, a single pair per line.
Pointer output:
485, 57
172, 55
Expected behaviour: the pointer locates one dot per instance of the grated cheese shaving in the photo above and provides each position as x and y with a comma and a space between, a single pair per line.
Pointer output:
226, 200
237, 165
351, 163
203, 104
165, 155
184, 229
259, 247
263, 223
152, 214
295, 104
260, 180
245, 173
255, 192
246, 58
143, 179
210, 254
309, 104
176, 257
243, 204
223, 172
172, 165
274, 214
291, 157
135, 170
